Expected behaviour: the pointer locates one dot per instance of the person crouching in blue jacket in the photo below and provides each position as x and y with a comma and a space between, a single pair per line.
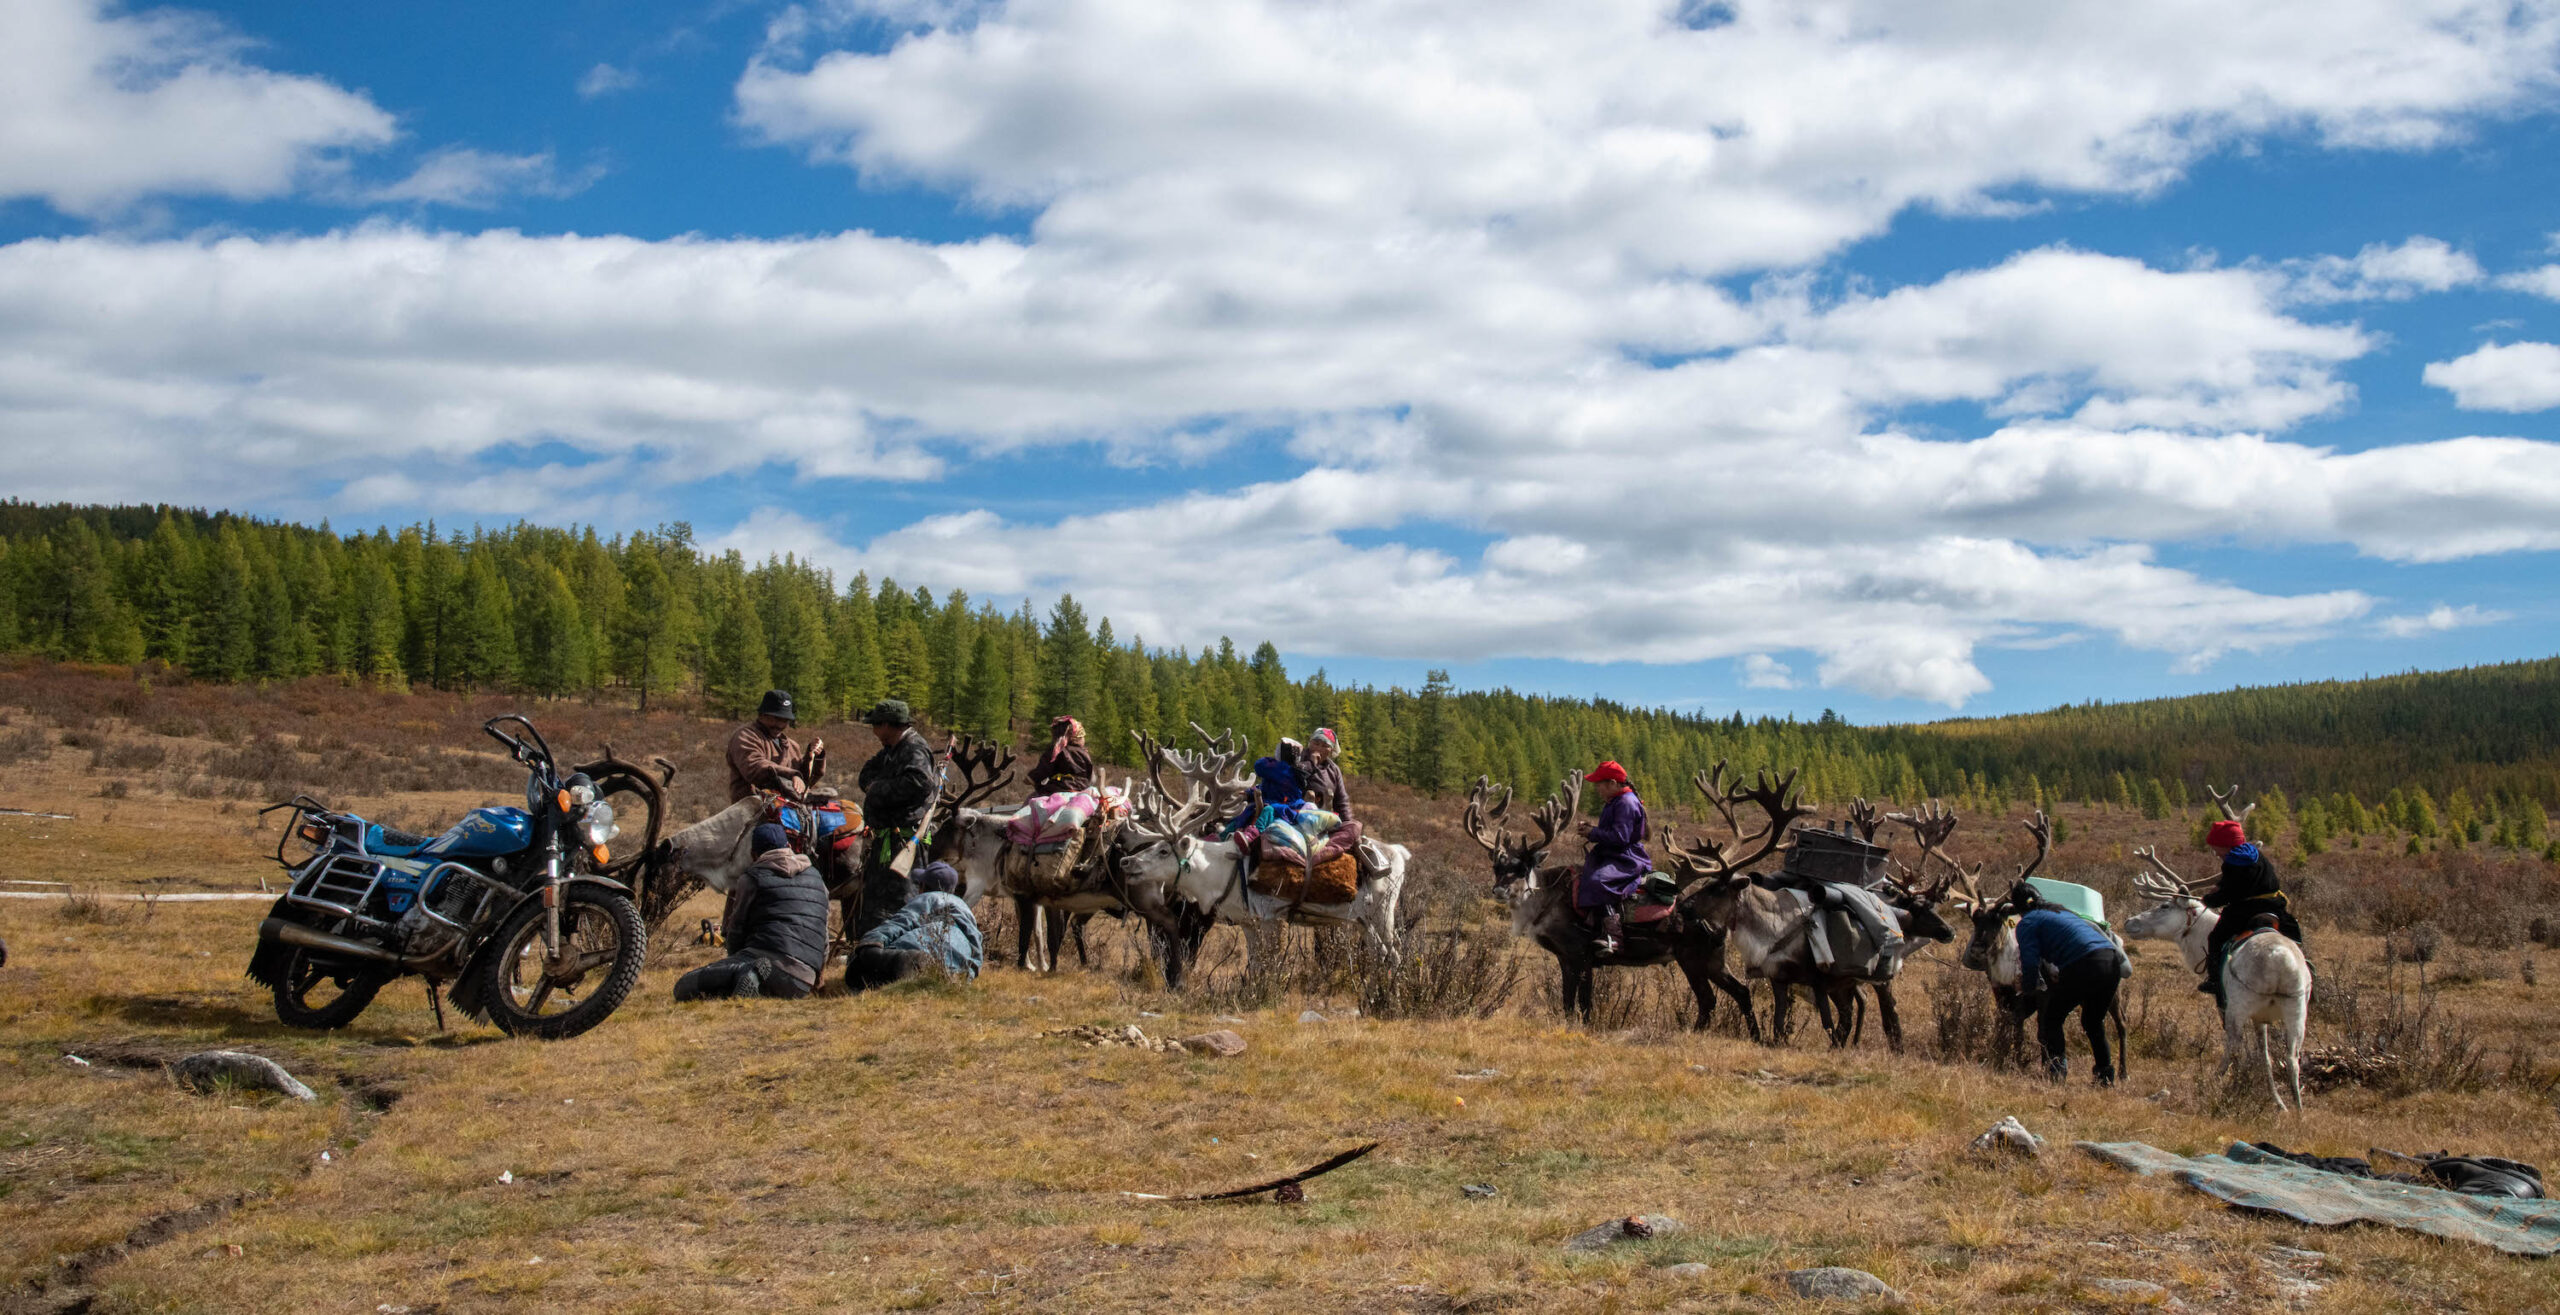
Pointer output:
934, 928
2066, 962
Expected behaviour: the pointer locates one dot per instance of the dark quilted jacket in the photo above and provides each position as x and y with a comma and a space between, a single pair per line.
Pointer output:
780, 909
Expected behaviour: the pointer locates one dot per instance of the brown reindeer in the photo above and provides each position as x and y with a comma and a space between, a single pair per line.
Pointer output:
1542, 910
1770, 927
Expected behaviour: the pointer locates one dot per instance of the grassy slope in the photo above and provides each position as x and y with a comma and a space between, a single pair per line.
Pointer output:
929, 1149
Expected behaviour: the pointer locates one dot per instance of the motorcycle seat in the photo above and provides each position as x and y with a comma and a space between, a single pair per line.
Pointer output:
391, 842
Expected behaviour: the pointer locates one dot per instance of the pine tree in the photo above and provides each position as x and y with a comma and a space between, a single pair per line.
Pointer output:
226, 623
739, 667
985, 704
161, 596
551, 637
1066, 677
481, 637
653, 628
1427, 762
910, 661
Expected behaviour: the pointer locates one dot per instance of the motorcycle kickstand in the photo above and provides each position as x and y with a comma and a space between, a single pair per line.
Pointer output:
435, 1001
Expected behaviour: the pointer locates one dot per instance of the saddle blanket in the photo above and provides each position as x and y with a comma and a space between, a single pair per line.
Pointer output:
1054, 819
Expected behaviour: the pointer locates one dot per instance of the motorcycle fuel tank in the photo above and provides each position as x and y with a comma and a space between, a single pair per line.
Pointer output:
484, 833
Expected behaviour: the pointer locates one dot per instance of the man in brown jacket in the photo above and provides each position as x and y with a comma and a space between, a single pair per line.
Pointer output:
763, 756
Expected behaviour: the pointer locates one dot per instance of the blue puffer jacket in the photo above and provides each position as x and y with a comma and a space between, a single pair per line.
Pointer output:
936, 924
2051, 936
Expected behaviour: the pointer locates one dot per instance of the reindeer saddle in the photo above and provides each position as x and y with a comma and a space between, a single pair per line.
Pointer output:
1850, 930
826, 825
1653, 903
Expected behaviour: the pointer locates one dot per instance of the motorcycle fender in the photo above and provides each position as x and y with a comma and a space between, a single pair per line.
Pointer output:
588, 879
266, 966
465, 995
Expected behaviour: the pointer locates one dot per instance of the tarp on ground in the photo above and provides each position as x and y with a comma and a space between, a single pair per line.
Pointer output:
2251, 1179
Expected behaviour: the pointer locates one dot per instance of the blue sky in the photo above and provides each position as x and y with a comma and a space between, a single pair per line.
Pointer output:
1897, 359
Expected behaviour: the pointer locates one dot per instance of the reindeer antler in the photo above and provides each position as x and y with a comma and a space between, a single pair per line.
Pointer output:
2162, 881
1931, 824
1863, 815
1708, 859
2042, 829
1484, 815
2222, 800
984, 766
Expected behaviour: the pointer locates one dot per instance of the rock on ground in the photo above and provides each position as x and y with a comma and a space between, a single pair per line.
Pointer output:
200, 1071
1838, 1283
1632, 1228
2011, 1136
1690, 1271
1223, 1043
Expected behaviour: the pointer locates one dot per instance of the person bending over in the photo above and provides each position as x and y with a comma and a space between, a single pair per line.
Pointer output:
935, 928
2066, 962
776, 929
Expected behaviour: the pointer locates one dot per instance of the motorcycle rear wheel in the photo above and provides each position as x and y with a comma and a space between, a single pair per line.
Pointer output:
602, 943
302, 998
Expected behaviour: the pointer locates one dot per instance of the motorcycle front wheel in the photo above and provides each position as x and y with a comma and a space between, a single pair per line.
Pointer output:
322, 997
602, 941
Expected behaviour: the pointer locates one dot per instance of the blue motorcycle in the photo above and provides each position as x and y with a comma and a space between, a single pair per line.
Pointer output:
517, 907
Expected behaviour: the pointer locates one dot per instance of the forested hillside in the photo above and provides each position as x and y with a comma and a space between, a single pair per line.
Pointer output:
650, 617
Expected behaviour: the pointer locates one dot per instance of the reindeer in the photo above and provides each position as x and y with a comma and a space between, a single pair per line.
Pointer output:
2266, 983
1542, 910
1164, 844
1769, 927
1913, 899
1992, 949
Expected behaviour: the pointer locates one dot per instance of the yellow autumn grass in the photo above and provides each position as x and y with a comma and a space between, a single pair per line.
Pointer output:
926, 1149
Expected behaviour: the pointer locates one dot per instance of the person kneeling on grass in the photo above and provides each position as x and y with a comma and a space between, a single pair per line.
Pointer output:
934, 932
2066, 962
776, 929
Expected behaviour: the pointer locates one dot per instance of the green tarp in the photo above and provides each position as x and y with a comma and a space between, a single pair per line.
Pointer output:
2254, 1180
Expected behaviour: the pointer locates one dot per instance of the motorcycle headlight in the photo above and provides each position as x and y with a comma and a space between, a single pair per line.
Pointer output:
599, 824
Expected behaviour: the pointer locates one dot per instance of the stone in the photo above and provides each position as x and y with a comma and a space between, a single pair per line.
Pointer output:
1480, 1191
1632, 1228
1837, 1283
2297, 1256
2011, 1137
203, 1070
1311, 1016
1690, 1271
1222, 1043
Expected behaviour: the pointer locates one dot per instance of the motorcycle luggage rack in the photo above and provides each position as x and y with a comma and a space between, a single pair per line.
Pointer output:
339, 884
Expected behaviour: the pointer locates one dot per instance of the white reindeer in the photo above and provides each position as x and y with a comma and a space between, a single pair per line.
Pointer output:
2266, 983
1165, 844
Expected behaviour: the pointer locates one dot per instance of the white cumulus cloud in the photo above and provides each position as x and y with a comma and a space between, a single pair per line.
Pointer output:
2516, 376
2380, 273
2439, 618
1467, 266
100, 108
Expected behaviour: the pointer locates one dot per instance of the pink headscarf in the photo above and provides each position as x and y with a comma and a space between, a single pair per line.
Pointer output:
1068, 731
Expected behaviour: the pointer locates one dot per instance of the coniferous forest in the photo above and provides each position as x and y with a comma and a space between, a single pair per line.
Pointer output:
649, 617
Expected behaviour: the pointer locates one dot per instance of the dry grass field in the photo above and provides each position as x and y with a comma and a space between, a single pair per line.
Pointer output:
929, 1148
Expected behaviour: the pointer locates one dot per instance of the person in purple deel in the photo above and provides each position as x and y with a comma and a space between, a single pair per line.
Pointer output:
1615, 862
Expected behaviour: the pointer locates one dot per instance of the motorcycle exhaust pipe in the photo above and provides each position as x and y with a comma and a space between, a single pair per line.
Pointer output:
311, 938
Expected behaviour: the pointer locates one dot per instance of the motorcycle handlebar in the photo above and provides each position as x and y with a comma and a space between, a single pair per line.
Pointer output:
519, 748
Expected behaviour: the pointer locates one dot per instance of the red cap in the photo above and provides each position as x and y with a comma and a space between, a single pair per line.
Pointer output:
1608, 771
2226, 834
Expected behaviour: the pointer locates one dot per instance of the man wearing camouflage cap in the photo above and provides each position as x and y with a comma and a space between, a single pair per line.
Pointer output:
898, 789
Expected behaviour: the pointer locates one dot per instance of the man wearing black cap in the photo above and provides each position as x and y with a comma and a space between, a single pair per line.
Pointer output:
776, 929
763, 756
898, 788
